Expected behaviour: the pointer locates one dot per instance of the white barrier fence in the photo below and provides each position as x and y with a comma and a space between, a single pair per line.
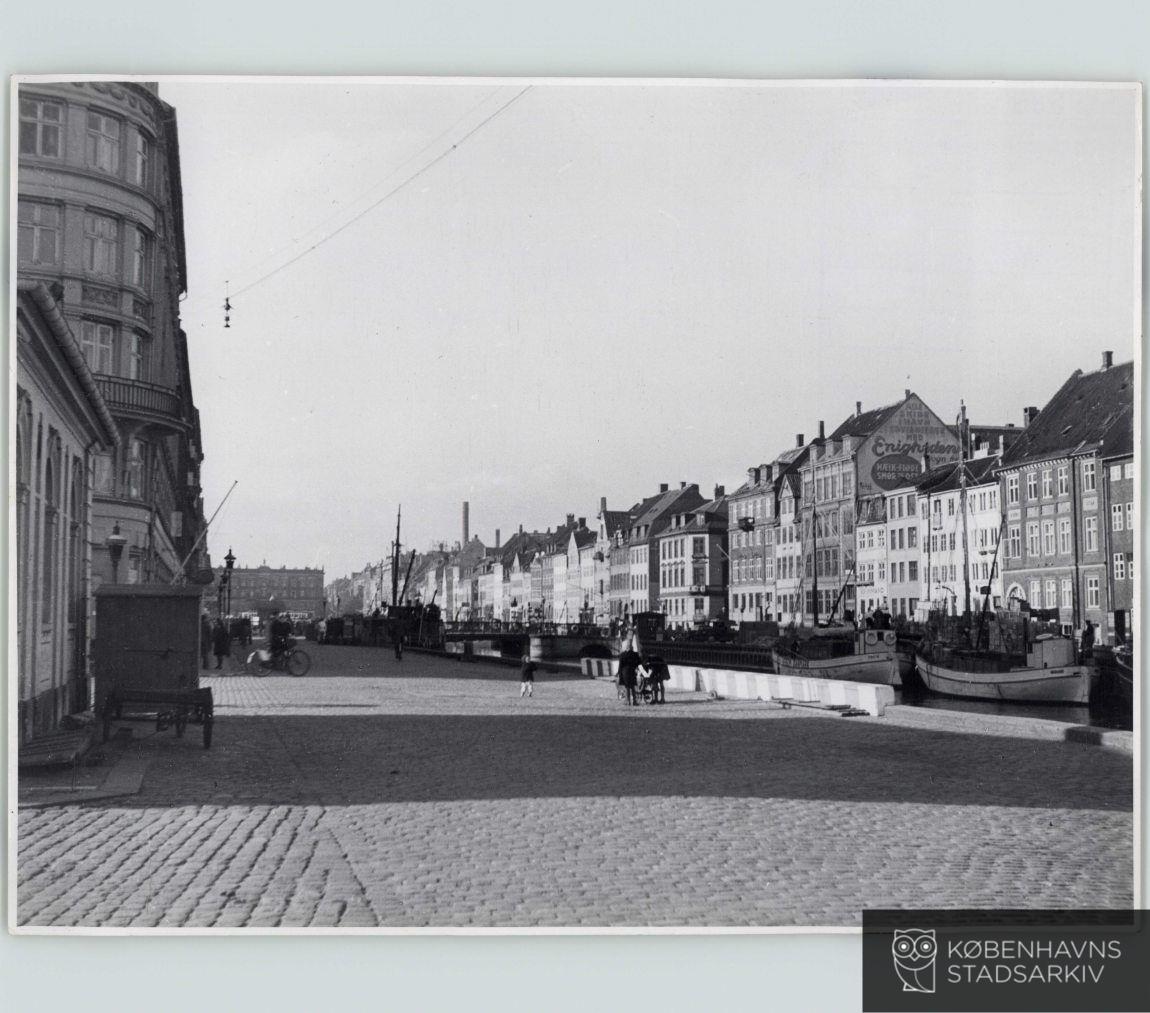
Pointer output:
728, 684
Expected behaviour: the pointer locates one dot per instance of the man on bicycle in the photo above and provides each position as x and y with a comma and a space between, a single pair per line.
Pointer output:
279, 635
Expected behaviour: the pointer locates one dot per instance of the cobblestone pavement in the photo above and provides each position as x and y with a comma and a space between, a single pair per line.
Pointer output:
427, 793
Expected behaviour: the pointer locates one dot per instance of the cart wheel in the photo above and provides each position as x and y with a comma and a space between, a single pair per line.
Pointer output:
208, 732
298, 662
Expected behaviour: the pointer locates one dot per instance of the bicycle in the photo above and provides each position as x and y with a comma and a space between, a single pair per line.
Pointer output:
293, 660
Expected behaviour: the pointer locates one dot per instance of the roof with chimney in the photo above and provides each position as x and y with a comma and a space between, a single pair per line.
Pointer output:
712, 513
862, 424
1091, 412
613, 520
658, 516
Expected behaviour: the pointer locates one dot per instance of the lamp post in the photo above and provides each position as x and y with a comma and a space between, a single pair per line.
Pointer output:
115, 542
229, 562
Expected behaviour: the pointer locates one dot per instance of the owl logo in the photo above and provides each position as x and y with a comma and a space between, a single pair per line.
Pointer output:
914, 951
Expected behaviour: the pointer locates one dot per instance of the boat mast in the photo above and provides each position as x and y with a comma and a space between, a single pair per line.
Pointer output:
962, 505
815, 563
395, 560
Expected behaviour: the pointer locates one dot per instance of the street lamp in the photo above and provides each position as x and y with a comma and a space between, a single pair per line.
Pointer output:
229, 562
115, 542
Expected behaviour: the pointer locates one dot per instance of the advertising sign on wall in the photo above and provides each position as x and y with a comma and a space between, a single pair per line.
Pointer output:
893, 457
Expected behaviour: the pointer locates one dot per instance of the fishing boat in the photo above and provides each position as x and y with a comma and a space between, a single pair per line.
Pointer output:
1047, 673
840, 653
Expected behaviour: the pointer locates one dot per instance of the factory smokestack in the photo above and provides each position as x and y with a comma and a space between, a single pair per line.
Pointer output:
466, 508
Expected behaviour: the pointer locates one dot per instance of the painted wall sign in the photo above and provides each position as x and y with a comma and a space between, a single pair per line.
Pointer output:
893, 457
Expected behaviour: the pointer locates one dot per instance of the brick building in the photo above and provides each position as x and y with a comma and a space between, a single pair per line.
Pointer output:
256, 588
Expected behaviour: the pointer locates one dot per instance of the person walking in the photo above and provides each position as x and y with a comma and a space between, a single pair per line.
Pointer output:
629, 662
657, 674
1087, 645
527, 677
397, 636
221, 643
205, 639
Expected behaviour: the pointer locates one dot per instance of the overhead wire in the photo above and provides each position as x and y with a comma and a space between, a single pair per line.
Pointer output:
341, 211
387, 196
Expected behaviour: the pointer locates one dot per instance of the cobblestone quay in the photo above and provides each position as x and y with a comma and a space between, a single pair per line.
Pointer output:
427, 793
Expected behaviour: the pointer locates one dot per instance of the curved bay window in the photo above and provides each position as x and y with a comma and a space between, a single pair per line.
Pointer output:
134, 473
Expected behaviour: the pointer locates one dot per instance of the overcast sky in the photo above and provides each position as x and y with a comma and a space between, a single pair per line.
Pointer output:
608, 287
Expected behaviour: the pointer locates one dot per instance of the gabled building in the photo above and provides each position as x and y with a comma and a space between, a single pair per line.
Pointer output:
868, 457
692, 559
1054, 488
607, 604
642, 550
752, 524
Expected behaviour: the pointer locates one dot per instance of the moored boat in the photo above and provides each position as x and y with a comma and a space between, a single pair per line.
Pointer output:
1049, 673
861, 656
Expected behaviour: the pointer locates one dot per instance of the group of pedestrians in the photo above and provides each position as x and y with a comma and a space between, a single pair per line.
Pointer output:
215, 638
637, 673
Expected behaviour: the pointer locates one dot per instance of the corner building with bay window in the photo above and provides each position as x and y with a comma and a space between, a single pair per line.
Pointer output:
100, 222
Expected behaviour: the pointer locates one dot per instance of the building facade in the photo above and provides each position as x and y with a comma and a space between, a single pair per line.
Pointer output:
100, 217
263, 588
693, 569
752, 525
1059, 535
61, 420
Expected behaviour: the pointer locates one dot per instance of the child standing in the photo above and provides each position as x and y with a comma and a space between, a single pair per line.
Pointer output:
527, 676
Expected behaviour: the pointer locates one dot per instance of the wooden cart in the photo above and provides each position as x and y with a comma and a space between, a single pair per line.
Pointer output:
147, 658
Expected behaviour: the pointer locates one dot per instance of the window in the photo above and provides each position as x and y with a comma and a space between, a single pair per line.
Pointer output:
950, 541
96, 342
950, 507
1130, 566
1115, 473
1130, 516
142, 162
103, 142
1047, 483
1128, 469
1067, 594
1048, 538
142, 260
882, 571
1011, 488
38, 233
1116, 516
912, 537
134, 472
1092, 592
913, 575
1014, 542
101, 244
1035, 595
901, 540
1091, 534
1119, 566
1032, 485
1064, 545
1052, 594
1089, 480
137, 357
882, 538
41, 126
1033, 545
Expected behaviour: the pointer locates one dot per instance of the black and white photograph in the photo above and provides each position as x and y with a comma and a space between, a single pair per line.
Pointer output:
541, 505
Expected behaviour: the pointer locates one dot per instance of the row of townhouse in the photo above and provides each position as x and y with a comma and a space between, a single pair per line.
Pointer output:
893, 509
898, 510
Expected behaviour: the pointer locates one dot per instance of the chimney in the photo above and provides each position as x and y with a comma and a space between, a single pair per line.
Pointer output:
682, 485
582, 522
1029, 414
663, 487
822, 430
520, 530
497, 538
466, 509
906, 393
753, 475
858, 408
570, 519
798, 439
1107, 360
602, 505
720, 491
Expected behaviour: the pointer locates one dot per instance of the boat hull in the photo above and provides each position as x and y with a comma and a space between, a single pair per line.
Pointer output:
880, 668
1069, 684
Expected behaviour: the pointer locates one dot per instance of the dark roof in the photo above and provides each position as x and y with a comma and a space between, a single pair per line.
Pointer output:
585, 537
866, 423
657, 515
1086, 408
948, 477
613, 520
1118, 440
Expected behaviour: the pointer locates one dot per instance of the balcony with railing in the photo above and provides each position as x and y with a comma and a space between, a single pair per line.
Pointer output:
137, 399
